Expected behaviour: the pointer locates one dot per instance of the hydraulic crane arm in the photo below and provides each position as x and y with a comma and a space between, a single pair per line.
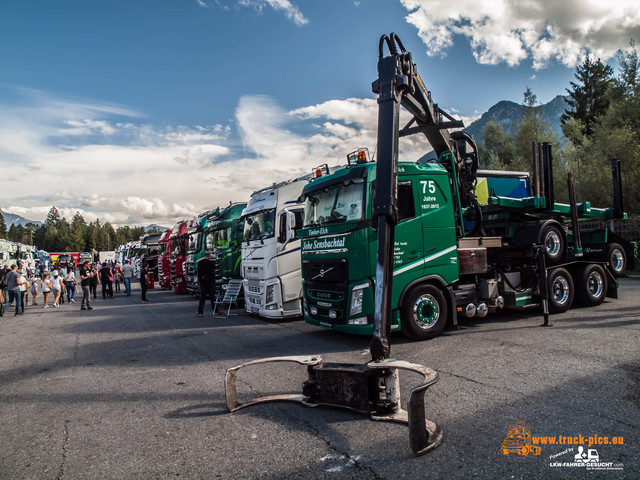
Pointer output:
398, 84
374, 388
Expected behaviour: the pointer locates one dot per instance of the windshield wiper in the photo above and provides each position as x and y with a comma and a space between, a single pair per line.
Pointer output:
337, 216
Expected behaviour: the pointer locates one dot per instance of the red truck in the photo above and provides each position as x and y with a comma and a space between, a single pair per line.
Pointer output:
179, 237
164, 261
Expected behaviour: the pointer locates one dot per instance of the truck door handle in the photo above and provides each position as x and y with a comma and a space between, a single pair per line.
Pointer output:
414, 254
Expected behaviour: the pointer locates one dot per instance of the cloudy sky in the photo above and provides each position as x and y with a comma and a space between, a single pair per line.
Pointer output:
152, 111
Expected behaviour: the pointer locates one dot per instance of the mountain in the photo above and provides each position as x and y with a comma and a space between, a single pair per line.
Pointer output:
11, 219
508, 114
155, 228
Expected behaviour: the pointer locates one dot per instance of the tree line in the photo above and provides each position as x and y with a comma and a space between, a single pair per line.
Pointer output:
601, 123
56, 234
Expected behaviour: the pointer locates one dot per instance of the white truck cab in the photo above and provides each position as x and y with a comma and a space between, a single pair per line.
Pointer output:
271, 266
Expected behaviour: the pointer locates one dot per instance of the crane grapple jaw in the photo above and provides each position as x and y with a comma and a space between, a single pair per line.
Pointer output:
371, 389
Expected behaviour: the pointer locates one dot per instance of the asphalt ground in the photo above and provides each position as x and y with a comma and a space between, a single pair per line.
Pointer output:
135, 390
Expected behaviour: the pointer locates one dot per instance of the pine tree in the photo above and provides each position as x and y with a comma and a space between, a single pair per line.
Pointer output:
3, 226
53, 217
588, 99
628, 82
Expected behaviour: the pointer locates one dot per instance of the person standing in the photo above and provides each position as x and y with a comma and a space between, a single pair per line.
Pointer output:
85, 283
24, 291
207, 281
127, 276
117, 277
105, 279
93, 284
34, 290
143, 280
70, 284
3, 283
13, 288
56, 286
46, 289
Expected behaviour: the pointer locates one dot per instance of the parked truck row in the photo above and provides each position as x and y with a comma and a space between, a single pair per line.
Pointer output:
467, 243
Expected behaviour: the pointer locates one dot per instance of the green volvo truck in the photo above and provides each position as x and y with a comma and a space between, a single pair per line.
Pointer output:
449, 260
223, 237
196, 248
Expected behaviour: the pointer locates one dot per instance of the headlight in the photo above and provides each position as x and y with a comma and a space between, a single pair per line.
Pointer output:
270, 289
356, 301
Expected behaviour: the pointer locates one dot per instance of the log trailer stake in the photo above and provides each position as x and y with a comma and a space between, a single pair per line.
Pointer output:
374, 388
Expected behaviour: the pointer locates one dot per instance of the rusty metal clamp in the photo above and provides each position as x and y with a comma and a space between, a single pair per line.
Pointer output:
372, 389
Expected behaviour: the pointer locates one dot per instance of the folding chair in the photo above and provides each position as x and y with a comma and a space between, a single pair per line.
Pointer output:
229, 298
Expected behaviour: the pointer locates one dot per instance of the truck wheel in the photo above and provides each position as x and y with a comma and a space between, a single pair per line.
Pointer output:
591, 285
423, 312
617, 259
554, 244
560, 286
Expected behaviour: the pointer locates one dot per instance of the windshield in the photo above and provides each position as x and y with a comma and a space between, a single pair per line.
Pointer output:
177, 245
219, 239
154, 250
336, 204
195, 240
259, 225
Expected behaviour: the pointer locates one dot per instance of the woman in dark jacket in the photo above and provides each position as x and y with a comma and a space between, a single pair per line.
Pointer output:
106, 277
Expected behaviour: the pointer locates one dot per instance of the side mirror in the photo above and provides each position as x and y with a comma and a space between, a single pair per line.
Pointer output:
291, 226
287, 226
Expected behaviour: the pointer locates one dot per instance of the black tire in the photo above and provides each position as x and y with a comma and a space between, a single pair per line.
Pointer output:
591, 285
561, 290
424, 312
554, 244
617, 259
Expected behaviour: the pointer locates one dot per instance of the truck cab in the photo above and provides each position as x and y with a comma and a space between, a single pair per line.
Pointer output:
164, 263
339, 242
179, 237
271, 252
223, 237
195, 250
150, 251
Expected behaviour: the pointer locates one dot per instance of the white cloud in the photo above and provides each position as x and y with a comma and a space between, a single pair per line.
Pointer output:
126, 172
510, 31
291, 11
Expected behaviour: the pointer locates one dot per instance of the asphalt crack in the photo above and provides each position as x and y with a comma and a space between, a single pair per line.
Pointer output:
65, 442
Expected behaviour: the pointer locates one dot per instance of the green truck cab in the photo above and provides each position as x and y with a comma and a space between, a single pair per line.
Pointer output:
339, 242
223, 237
195, 250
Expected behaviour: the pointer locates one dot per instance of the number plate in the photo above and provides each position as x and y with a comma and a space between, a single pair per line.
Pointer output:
254, 310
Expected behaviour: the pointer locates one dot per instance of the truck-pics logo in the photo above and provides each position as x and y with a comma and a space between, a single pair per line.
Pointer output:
519, 441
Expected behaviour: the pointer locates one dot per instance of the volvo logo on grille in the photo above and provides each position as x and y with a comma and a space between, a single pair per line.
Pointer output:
322, 272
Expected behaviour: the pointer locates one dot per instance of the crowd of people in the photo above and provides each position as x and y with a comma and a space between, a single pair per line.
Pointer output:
21, 288
18, 286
